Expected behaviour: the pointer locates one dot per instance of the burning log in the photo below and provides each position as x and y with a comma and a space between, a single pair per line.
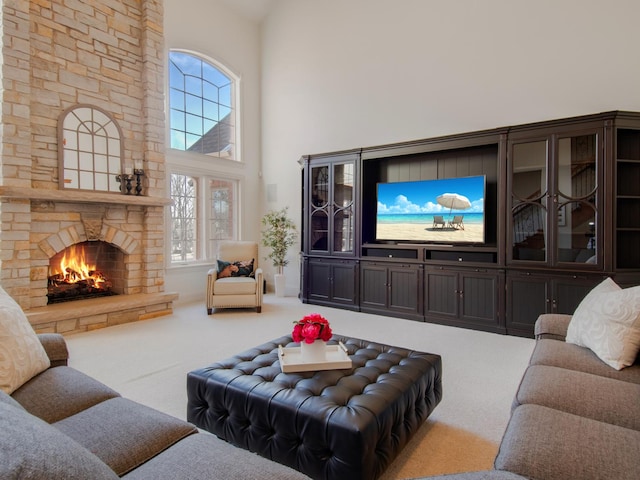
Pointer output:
60, 291
97, 280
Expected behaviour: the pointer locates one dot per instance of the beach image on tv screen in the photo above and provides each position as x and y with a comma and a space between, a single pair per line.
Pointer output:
447, 210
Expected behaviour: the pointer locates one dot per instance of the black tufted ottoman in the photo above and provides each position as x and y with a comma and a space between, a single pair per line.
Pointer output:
333, 424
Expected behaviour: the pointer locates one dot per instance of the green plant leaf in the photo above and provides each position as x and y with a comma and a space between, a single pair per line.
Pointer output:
279, 235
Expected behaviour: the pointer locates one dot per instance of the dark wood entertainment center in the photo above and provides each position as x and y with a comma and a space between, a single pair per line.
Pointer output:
562, 212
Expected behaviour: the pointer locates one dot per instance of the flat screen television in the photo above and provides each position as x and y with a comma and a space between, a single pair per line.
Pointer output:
446, 211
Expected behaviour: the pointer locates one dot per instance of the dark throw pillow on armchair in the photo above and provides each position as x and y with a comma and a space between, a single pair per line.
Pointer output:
235, 269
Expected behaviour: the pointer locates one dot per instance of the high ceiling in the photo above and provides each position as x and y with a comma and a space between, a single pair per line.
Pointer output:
255, 10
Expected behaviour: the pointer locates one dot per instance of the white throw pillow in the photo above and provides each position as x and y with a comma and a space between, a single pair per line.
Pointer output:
607, 321
22, 356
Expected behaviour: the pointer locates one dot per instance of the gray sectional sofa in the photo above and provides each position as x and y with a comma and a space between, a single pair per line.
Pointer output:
63, 424
573, 416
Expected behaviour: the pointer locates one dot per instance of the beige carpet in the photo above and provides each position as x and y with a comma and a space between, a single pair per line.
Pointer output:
148, 361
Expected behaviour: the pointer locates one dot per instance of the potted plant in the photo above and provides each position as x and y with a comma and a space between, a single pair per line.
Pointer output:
280, 234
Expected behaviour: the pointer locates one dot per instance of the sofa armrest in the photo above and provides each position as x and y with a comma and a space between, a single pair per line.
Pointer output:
552, 325
212, 274
259, 286
258, 273
56, 347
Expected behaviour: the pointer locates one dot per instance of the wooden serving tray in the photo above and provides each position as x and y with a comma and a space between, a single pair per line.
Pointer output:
291, 359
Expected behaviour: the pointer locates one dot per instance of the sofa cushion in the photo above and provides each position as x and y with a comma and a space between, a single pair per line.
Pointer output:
608, 322
9, 400
21, 354
124, 434
61, 392
205, 457
583, 394
235, 286
544, 443
573, 357
32, 449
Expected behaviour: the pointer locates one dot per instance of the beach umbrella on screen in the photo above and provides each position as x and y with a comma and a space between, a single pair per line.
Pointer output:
453, 201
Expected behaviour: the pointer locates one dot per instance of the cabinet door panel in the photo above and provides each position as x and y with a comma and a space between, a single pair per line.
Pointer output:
404, 289
578, 198
529, 188
319, 283
526, 300
373, 287
479, 298
343, 207
442, 294
318, 205
344, 283
570, 292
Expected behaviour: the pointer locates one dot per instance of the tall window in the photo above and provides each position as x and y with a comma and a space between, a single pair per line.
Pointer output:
183, 218
202, 120
218, 219
222, 213
202, 107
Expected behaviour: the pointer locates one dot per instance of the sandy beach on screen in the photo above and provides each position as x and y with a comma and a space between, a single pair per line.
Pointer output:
421, 232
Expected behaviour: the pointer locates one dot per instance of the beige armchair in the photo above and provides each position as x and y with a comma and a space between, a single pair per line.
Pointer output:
235, 281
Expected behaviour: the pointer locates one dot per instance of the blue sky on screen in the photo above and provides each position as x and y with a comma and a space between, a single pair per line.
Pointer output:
420, 197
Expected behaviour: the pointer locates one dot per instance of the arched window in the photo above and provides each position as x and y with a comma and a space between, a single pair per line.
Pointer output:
90, 149
202, 107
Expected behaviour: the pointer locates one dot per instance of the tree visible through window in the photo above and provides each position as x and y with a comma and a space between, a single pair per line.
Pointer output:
222, 211
220, 216
183, 219
201, 104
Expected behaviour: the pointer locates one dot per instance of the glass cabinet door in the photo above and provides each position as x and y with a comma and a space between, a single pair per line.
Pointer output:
575, 199
332, 208
319, 208
554, 199
343, 214
529, 189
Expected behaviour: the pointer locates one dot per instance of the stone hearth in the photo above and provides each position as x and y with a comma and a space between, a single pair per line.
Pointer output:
91, 314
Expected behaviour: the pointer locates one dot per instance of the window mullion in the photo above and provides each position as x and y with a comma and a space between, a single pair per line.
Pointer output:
204, 216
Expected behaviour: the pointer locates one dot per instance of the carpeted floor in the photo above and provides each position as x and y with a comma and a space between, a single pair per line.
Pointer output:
148, 361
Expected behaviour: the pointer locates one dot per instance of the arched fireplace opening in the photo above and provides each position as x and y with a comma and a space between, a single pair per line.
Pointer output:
85, 270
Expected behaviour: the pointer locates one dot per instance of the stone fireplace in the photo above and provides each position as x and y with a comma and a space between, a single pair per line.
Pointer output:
46, 69
131, 237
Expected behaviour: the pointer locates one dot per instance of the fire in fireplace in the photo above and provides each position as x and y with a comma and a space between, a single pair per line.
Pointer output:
75, 273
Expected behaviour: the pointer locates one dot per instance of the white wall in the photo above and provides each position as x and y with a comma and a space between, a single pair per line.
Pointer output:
340, 74
211, 28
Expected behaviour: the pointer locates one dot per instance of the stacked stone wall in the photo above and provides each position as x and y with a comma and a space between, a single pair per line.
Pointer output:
56, 54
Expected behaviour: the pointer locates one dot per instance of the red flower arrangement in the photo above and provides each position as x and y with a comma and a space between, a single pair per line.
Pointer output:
311, 328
